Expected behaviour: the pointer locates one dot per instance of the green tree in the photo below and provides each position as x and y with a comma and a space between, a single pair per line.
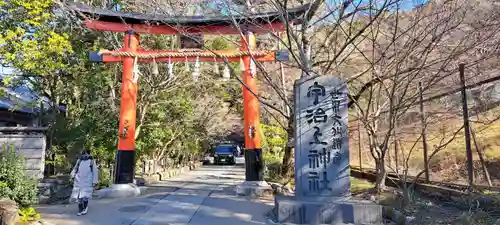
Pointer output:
174, 117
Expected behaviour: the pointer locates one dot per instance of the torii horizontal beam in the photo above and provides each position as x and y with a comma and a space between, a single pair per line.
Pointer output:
189, 56
118, 21
173, 30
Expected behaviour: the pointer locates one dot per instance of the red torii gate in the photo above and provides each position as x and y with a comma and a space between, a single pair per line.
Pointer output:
133, 24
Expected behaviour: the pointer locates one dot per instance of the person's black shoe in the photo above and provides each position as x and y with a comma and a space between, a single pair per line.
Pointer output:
80, 209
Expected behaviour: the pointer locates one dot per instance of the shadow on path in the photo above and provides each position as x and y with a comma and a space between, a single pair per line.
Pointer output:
205, 196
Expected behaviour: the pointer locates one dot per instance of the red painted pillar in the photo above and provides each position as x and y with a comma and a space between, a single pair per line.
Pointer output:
254, 164
125, 157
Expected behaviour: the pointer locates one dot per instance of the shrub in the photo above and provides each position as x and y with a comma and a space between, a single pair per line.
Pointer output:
275, 138
104, 178
28, 214
13, 182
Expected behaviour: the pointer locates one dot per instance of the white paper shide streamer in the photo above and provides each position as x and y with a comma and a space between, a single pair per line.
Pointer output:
242, 65
187, 65
216, 67
196, 71
135, 71
170, 68
226, 74
155, 70
253, 67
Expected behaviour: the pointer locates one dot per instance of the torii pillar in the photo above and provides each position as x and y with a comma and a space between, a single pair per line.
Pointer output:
254, 184
125, 157
254, 164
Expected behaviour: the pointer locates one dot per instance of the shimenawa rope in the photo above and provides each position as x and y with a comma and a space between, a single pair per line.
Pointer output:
183, 54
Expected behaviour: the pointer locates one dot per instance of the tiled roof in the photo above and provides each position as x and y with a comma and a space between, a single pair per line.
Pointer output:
21, 99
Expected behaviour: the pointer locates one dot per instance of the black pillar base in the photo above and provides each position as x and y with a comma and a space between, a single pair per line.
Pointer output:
254, 164
125, 167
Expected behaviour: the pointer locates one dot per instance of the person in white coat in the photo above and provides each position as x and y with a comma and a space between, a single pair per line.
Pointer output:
85, 177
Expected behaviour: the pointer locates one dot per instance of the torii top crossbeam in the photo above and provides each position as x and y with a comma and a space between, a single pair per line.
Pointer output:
107, 20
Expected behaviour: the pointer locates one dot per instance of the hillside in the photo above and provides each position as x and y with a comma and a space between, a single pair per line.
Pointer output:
449, 161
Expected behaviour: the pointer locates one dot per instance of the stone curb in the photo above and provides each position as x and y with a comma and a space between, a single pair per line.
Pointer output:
37, 222
395, 216
156, 178
270, 217
387, 212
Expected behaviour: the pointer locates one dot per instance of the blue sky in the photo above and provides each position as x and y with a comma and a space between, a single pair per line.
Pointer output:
333, 11
6, 70
220, 5
402, 4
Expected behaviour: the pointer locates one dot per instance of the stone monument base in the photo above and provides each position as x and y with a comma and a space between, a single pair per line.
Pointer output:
254, 189
119, 191
294, 210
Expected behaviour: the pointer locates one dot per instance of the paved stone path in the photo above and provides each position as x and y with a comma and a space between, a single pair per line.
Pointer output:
205, 196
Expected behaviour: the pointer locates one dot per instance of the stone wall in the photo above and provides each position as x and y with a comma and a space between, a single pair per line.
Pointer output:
31, 147
150, 167
58, 190
168, 173
54, 190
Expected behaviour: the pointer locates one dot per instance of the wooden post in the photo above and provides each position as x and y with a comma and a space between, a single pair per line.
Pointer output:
395, 138
388, 157
125, 157
143, 166
480, 153
41, 114
285, 105
465, 108
254, 164
396, 150
360, 146
424, 136
283, 86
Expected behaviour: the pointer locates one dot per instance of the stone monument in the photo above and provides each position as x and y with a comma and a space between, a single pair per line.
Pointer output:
322, 175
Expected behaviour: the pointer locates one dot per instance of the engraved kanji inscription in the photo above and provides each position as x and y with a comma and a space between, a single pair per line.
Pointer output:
337, 131
316, 116
325, 182
337, 143
317, 134
313, 181
325, 157
337, 157
336, 94
336, 107
336, 99
315, 91
317, 158
313, 159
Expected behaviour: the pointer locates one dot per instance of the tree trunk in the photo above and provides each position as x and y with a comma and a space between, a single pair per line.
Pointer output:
287, 161
287, 156
381, 174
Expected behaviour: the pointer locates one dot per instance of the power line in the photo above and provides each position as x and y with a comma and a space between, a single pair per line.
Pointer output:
470, 86
456, 90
